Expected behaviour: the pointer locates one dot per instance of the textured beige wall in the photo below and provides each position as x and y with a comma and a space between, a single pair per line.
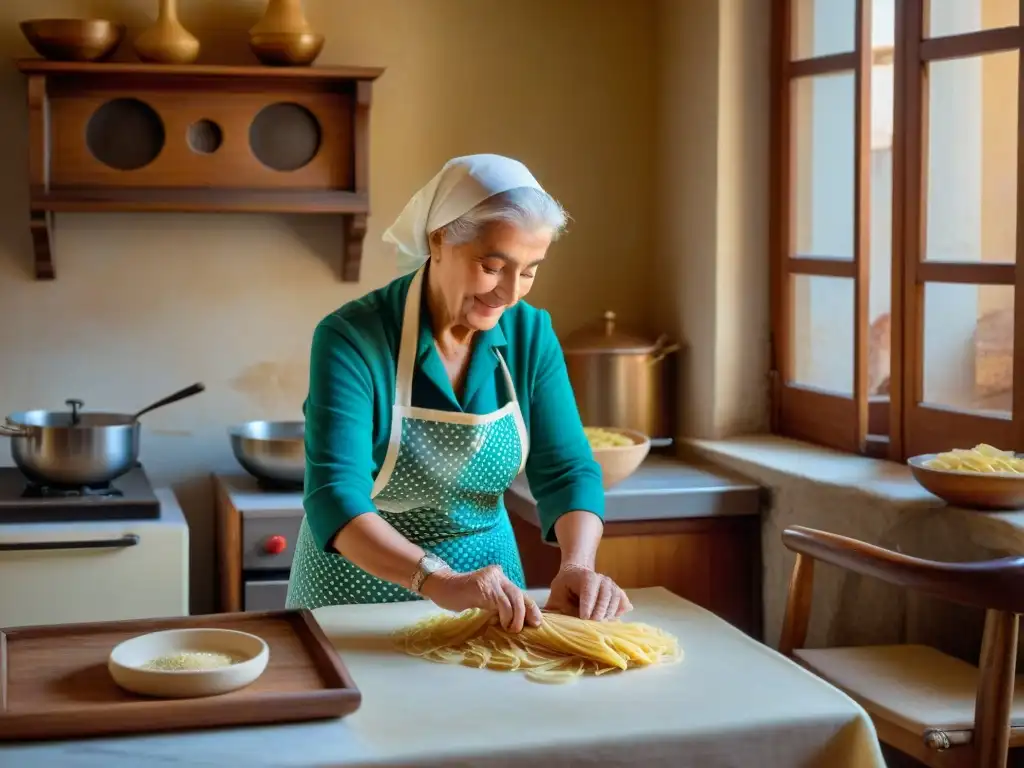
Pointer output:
687, 141
711, 254
144, 304
741, 295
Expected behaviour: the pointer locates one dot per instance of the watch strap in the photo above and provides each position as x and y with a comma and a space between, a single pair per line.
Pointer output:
428, 564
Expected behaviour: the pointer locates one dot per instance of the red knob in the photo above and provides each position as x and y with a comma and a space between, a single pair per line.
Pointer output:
275, 545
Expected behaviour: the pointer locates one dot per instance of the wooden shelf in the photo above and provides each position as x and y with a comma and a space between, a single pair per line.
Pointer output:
198, 200
164, 71
122, 137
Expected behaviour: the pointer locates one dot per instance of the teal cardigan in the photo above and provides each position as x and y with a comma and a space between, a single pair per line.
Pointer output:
352, 391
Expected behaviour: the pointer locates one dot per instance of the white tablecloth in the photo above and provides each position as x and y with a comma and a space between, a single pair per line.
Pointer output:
731, 702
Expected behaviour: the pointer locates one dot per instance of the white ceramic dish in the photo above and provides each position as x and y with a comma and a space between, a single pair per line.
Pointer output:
127, 661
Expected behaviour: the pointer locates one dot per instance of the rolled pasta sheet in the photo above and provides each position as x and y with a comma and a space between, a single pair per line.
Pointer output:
560, 650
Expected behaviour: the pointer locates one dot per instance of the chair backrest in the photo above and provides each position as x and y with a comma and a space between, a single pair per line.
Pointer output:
990, 584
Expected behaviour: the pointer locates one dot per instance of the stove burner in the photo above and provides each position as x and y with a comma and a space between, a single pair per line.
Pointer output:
128, 497
35, 491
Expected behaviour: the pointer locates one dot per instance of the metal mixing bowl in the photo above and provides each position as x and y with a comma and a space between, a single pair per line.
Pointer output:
271, 450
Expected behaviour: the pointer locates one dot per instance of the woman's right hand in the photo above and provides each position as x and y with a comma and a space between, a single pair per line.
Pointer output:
485, 588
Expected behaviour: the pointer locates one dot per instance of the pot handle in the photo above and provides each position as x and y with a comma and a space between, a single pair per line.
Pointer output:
10, 429
74, 405
662, 349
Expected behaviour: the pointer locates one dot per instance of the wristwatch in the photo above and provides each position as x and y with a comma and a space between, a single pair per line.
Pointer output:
428, 564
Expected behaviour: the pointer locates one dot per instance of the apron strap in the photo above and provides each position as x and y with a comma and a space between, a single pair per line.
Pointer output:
409, 342
509, 385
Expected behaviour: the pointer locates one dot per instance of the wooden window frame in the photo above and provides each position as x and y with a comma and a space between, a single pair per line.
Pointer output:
901, 425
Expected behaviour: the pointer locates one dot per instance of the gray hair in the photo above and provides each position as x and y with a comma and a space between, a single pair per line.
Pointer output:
526, 207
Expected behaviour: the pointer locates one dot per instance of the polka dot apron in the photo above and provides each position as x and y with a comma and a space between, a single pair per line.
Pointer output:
441, 486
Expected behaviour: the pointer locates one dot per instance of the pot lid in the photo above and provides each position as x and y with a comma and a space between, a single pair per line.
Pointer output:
604, 337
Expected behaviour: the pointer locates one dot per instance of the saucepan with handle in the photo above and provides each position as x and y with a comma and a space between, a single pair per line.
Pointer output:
79, 448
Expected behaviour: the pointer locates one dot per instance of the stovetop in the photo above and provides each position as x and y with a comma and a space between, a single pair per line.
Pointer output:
129, 497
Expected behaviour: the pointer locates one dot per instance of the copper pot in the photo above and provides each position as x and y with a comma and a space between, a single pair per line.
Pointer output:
619, 378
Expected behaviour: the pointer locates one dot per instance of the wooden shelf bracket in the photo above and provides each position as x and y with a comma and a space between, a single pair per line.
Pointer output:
352, 253
41, 226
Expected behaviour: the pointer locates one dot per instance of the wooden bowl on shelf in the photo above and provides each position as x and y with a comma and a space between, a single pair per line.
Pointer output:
286, 49
986, 491
620, 461
73, 39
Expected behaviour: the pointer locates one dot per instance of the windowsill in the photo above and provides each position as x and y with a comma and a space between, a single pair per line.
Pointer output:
773, 460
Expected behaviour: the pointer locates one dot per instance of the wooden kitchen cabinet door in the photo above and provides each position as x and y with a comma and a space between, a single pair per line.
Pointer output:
713, 562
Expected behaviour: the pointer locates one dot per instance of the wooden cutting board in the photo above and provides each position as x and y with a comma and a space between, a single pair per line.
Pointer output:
54, 681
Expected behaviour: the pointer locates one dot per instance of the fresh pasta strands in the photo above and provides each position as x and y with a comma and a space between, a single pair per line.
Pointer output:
605, 438
560, 650
980, 458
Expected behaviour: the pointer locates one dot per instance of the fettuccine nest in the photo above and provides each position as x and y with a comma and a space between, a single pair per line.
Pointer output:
560, 650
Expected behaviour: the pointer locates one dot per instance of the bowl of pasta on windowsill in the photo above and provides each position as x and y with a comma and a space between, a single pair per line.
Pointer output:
983, 477
619, 452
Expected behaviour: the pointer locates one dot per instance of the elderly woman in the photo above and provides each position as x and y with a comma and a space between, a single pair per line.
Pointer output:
428, 396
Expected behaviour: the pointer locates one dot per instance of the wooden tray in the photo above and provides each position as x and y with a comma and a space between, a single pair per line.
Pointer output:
54, 681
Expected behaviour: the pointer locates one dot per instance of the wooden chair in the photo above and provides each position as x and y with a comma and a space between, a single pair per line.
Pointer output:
933, 707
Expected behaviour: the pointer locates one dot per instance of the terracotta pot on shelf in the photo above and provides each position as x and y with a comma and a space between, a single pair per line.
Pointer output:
167, 41
283, 37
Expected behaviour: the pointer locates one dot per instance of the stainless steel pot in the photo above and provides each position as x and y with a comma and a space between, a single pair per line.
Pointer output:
620, 380
75, 449
271, 450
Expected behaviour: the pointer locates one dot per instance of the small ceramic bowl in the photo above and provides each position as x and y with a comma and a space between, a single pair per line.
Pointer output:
621, 461
127, 662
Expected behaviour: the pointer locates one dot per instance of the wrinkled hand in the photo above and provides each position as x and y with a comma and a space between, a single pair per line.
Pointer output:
579, 591
485, 588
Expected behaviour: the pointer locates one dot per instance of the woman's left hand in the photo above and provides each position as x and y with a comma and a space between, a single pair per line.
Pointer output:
579, 591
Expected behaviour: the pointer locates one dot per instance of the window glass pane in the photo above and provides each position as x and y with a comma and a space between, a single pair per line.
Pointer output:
968, 346
879, 293
883, 23
972, 159
822, 340
957, 17
822, 27
822, 165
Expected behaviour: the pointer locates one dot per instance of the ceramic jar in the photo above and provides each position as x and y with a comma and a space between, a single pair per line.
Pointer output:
167, 41
283, 37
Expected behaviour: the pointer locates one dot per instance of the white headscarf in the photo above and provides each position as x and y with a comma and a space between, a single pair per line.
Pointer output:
461, 185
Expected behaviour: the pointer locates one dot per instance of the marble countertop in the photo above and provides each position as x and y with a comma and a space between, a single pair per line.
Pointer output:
663, 488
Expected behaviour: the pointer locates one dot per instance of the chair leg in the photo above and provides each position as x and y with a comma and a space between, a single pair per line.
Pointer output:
798, 605
994, 702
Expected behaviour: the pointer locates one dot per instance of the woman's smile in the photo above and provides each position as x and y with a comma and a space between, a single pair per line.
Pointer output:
485, 307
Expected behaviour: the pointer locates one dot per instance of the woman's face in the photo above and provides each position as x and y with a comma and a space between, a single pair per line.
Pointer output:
481, 279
